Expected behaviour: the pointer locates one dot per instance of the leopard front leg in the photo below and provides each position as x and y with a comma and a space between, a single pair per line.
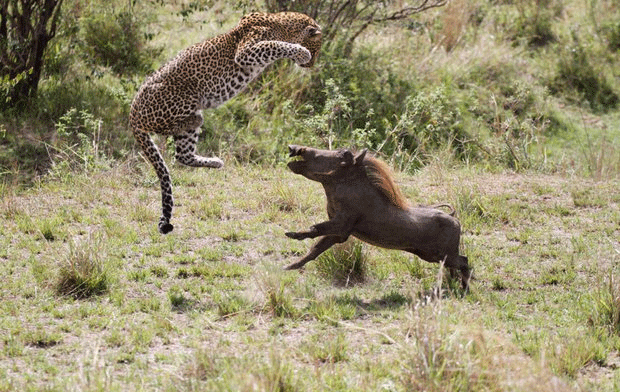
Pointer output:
264, 53
154, 156
185, 139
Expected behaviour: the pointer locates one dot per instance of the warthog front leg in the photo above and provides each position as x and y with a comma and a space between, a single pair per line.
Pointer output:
321, 246
334, 227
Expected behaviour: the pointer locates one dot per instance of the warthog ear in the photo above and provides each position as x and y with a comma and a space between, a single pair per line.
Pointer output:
347, 158
359, 158
294, 150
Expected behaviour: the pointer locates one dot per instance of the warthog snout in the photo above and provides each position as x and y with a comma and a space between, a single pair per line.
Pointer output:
363, 201
318, 165
297, 166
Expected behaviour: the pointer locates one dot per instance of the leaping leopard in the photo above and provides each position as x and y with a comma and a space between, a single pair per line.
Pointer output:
207, 74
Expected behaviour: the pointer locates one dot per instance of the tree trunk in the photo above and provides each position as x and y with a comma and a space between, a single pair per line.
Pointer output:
26, 27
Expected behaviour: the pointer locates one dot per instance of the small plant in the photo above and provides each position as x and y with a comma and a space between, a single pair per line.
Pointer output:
42, 339
343, 264
280, 303
605, 302
83, 274
79, 145
332, 309
178, 301
230, 304
205, 365
276, 375
159, 271
331, 350
415, 267
612, 31
48, 228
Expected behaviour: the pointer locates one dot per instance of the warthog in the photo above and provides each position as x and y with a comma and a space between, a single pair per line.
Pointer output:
363, 201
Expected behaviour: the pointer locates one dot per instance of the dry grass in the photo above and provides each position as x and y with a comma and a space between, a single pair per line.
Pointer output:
208, 306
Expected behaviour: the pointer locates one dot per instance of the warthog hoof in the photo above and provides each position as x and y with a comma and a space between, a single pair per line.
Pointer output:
294, 235
294, 266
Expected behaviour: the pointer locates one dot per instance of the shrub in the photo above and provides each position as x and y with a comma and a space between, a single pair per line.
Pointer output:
118, 41
575, 73
79, 145
432, 120
536, 29
612, 32
374, 92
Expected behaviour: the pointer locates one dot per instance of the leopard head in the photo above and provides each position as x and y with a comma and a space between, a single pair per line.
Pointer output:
291, 27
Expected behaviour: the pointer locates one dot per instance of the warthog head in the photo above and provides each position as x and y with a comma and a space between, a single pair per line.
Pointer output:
322, 165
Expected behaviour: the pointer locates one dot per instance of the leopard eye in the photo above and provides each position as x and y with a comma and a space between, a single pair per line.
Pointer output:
312, 30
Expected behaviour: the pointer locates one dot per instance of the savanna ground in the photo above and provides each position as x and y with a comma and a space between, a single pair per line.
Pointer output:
209, 308
506, 110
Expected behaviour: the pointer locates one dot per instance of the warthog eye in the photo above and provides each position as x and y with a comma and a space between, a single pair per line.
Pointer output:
298, 158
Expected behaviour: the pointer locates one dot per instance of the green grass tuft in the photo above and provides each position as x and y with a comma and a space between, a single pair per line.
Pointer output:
84, 274
605, 306
344, 264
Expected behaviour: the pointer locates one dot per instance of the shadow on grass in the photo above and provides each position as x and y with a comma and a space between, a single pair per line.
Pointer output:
390, 301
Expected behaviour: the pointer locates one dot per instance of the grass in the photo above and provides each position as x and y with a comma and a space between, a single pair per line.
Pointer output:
83, 274
345, 264
208, 307
94, 298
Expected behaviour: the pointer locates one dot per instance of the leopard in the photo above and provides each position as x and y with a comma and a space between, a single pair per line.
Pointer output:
205, 75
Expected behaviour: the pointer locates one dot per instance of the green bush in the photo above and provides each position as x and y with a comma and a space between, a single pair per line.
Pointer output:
612, 33
432, 120
535, 30
373, 90
79, 146
576, 74
117, 40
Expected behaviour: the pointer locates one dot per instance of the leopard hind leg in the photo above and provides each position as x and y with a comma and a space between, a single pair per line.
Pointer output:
154, 156
185, 139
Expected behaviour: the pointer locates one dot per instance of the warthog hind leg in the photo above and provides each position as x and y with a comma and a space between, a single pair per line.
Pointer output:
465, 271
454, 264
